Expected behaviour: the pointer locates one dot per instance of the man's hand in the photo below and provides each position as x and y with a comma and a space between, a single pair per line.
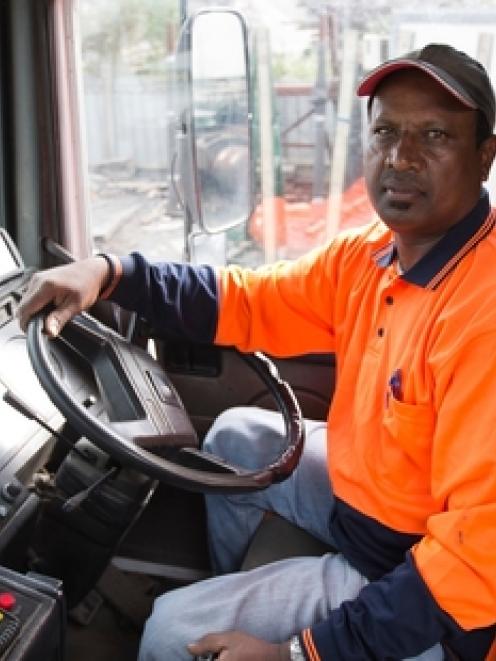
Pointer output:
238, 646
70, 289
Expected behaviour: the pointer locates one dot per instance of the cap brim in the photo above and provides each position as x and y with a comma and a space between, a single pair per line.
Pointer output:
370, 82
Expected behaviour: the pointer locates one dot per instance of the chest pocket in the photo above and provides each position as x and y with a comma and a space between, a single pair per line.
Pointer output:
409, 429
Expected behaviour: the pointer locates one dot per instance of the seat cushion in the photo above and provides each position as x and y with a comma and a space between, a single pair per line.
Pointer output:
277, 539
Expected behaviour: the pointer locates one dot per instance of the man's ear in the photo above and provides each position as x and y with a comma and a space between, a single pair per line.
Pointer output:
487, 153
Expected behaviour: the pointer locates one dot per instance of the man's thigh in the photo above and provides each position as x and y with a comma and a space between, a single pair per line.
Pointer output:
253, 437
271, 602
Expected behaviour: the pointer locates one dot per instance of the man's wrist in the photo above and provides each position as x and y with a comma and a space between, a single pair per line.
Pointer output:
283, 651
114, 272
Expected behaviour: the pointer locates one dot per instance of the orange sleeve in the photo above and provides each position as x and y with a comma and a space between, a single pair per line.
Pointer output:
285, 308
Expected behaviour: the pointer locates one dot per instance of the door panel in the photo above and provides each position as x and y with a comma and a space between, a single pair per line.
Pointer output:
231, 382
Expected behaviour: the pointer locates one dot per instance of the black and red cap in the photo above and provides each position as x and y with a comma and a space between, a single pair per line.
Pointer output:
462, 76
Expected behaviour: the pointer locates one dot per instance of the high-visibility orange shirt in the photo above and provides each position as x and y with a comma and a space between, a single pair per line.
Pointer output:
417, 455
412, 425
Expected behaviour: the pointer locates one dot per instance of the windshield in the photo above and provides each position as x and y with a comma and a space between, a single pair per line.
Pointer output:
306, 58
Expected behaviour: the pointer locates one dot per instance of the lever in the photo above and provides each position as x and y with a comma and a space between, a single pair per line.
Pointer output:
75, 501
25, 410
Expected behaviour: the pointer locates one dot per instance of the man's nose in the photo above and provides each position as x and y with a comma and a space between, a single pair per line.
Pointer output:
404, 153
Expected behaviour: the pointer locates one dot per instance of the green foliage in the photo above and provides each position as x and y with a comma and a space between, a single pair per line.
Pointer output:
139, 33
294, 68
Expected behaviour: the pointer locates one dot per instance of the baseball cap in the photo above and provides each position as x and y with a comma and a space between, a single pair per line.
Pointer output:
462, 76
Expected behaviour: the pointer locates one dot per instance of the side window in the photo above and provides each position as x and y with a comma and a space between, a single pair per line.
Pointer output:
126, 51
308, 161
308, 126
315, 187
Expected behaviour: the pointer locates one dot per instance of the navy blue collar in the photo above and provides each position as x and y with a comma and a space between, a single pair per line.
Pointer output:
435, 265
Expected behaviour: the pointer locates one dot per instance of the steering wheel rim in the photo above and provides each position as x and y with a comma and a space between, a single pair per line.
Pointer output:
148, 412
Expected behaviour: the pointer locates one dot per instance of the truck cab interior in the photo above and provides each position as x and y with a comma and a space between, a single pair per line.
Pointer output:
101, 468
101, 463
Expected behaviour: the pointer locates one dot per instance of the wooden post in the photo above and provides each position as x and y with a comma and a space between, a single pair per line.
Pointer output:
339, 154
266, 146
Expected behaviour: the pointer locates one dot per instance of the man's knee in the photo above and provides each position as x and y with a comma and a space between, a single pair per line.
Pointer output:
224, 431
162, 637
247, 436
231, 436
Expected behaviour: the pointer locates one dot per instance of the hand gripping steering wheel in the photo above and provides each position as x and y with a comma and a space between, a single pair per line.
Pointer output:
144, 423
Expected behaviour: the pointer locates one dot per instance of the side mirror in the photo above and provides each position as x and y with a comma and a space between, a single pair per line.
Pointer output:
219, 121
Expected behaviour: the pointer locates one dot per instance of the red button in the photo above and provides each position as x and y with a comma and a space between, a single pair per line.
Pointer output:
7, 601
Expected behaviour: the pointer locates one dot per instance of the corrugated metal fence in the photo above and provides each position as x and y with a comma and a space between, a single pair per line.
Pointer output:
128, 120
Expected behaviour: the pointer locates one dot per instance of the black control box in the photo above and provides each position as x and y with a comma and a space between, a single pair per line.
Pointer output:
32, 617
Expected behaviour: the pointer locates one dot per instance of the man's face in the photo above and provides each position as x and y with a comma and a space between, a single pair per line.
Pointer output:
422, 166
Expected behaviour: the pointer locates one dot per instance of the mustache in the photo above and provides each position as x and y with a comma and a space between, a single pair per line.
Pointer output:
407, 180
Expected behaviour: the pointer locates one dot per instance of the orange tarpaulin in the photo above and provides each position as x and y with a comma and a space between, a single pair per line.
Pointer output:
301, 226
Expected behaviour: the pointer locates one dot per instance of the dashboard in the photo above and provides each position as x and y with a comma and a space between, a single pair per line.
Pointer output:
50, 554
24, 445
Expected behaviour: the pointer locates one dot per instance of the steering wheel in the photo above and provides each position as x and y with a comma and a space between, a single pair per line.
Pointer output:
145, 424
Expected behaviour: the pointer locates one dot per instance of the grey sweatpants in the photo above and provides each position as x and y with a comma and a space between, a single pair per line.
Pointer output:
275, 601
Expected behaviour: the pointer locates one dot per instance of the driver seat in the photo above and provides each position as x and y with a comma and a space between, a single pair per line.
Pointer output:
278, 539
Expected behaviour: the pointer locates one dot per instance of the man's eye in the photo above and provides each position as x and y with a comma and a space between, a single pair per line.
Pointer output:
383, 131
435, 134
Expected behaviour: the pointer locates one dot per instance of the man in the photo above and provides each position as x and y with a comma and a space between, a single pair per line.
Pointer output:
408, 305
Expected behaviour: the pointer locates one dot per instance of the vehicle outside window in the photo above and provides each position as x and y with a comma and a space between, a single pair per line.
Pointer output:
306, 123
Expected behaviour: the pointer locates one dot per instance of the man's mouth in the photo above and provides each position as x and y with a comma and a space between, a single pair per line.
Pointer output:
401, 195
401, 192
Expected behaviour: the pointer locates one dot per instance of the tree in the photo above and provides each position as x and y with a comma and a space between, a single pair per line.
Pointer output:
125, 37
138, 33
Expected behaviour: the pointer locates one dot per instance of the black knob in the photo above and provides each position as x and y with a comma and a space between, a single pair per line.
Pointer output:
11, 490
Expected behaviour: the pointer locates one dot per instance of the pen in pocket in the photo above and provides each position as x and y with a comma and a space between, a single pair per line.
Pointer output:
395, 385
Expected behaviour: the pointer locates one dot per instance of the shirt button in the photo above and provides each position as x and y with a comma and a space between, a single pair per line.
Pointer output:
380, 332
389, 300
